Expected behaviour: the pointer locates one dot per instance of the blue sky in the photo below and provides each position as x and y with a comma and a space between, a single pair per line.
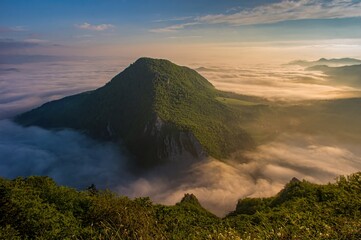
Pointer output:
55, 19
125, 27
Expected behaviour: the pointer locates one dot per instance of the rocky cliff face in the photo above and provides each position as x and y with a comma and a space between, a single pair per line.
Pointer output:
169, 143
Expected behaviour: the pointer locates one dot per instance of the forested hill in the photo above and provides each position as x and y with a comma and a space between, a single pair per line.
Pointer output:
37, 208
158, 109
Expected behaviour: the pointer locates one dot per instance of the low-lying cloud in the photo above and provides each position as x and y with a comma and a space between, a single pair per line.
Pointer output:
75, 160
286, 83
25, 86
218, 185
67, 156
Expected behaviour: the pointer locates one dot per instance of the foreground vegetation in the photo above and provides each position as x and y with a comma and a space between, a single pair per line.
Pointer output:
37, 208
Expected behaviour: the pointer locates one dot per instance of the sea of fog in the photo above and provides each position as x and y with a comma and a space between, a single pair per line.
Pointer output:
75, 160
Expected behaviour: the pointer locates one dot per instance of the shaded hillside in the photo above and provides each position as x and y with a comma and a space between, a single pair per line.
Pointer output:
159, 110
37, 208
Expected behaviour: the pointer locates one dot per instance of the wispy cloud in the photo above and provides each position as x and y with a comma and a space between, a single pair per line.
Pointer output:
285, 10
182, 37
83, 36
35, 40
288, 10
173, 19
100, 27
12, 29
11, 44
173, 28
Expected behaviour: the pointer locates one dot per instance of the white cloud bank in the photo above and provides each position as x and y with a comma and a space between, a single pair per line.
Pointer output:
67, 156
274, 82
25, 86
218, 185
75, 160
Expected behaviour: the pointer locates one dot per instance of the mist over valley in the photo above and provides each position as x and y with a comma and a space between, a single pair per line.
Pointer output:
303, 125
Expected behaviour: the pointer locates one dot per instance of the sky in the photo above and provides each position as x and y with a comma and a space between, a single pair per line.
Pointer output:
237, 31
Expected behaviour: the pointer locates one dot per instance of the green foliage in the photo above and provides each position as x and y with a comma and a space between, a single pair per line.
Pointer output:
36, 208
9, 233
28, 208
186, 99
250, 206
303, 210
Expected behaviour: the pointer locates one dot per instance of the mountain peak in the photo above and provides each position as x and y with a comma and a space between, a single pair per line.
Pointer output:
150, 63
190, 198
159, 110
295, 180
149, 60
154, 64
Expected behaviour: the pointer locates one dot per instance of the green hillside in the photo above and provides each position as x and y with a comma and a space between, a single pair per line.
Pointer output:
156, 108
37, 208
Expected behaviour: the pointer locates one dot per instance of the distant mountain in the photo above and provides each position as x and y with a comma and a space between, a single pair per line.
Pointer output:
346, 75
159, 110
328, 62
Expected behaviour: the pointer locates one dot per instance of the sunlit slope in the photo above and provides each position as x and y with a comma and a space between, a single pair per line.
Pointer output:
158, 109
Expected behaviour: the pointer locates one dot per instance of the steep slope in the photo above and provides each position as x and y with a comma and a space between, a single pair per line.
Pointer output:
157, 109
